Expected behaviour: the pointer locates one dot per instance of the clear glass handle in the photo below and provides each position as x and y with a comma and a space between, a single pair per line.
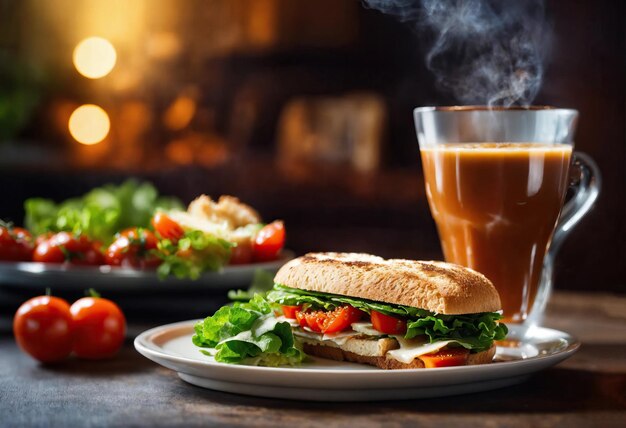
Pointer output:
586, 185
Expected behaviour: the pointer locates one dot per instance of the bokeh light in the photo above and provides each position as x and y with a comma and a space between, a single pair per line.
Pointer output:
94, 57
89, 124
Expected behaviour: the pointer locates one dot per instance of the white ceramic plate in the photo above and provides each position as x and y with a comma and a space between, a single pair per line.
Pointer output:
107, 278
326, 380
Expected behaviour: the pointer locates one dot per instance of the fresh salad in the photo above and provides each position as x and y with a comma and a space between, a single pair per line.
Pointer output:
131, 225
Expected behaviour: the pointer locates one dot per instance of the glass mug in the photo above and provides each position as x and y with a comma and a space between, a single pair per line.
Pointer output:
496, 181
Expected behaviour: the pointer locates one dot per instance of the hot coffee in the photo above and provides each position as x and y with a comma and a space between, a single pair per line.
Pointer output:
496, 206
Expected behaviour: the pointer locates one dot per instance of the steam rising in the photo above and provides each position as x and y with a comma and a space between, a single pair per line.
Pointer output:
483, 51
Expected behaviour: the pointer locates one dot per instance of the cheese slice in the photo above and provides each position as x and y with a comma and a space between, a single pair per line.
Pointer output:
410, 349
337, 338
365, 328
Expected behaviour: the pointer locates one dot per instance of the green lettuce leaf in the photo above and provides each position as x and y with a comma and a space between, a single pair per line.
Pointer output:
196, 252
248, 333
101, 212
473, 331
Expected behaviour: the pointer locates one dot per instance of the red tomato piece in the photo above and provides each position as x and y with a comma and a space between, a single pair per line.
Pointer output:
447, 357
43, 328
43, 237
133, 247
99, 327
67, 247
16, 244
341, 318
290, 311
166, 227
241, 254
301, 318
388, 324
315, 321
269, 241
329, 322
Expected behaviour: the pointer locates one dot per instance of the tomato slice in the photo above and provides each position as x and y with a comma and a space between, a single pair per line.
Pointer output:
268, 242
329, 322
388, 324
447, 357
340, 319
290, 311
301, 318
166, 227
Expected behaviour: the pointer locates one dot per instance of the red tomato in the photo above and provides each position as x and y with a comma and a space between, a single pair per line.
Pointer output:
16, 244
241, 254
66, 247
133, 247
341, 318
446, 358
99, 327
43, 237
268, 242
43, 328
333, 321
301, 318
166, 227
290, 311
388, 324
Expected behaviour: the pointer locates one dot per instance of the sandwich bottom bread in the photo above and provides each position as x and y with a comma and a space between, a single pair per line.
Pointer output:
392, 314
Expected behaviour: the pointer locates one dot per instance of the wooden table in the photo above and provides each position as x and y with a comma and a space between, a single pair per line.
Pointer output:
587, 390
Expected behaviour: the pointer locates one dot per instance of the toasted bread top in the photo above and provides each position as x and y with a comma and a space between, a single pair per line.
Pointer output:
439, 287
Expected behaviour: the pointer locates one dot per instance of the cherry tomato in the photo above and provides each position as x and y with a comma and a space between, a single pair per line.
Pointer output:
99, 327
446, 358
166, 227
133, 247
290, 311
43, 237
333, 321
43, 328
16, 244
388, 324
66, 247
269, 241
241, 254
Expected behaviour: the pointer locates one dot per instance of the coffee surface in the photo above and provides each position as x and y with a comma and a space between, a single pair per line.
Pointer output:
496, 206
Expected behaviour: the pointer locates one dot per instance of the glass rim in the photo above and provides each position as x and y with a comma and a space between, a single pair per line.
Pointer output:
470, 108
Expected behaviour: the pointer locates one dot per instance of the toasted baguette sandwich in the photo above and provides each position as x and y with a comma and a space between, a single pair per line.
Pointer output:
392, 314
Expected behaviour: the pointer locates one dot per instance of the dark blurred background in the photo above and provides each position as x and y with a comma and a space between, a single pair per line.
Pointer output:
301, 108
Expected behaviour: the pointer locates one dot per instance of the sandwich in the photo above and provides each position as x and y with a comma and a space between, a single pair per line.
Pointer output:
392, 314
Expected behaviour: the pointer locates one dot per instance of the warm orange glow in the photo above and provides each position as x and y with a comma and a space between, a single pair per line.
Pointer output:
94, 57
179, 114
89, 124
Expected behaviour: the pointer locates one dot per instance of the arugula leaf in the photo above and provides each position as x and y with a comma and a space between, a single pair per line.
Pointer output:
473, 331
196, 252
248, 333
99, 213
